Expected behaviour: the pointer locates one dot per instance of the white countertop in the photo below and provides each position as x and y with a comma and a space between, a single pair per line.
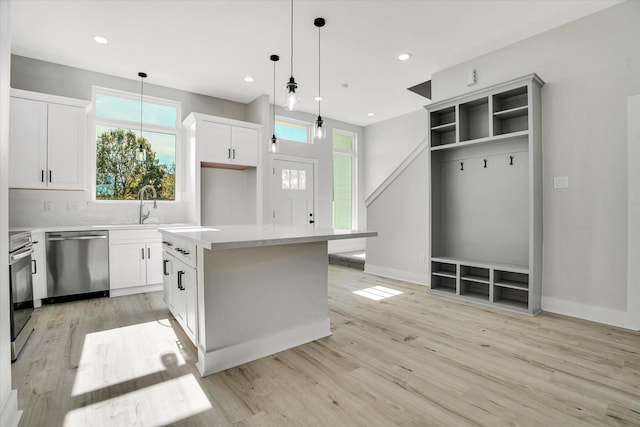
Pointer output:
95, 227
245, 236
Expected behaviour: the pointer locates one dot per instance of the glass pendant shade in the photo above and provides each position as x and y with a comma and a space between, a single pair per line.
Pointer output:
274, 145
141, 155
319, 129
291, 97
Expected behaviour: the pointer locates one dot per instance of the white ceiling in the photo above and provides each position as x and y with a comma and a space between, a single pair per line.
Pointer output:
208, 47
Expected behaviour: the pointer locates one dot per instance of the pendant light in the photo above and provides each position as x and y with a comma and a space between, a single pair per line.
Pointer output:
141, 154
319, 129
274, 143
291, 86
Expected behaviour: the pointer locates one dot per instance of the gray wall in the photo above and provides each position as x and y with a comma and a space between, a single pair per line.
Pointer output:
46, 77
590, 66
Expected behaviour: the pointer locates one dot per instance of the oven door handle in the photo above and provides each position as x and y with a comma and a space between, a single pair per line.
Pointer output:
19, 255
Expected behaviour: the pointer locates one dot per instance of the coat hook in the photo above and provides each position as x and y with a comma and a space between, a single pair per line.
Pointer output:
485, 163
510, 160
461, 166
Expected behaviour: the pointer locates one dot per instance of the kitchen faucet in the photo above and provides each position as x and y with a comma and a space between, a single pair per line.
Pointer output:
155, 203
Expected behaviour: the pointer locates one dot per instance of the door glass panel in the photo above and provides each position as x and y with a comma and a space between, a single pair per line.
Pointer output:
302, 180
285, 179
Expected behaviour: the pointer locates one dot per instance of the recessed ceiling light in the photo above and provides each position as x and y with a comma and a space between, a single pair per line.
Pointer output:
318, 98
371, 114
100, 39
248, 79
404, 56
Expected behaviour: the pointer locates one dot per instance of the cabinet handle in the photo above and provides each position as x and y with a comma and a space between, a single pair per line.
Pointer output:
164, 267
234, 153
42, 175
228, 153
49, 175
180, 274
148, 253
142, 253
35, 267
168, 243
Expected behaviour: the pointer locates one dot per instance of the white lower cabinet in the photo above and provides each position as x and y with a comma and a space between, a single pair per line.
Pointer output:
135, 260
180, 292
39, 268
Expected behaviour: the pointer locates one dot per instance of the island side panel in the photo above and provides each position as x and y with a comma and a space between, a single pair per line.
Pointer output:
261, 300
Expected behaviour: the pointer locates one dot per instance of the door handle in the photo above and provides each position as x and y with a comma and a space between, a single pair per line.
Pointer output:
35, 267
164, 267
311, 221
180, 274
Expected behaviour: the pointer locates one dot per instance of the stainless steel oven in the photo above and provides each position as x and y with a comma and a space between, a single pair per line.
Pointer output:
20, 289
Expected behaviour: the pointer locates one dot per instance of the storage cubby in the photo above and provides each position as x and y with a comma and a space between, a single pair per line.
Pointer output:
509, 279
511, 111
443, 126
444, 269
473, 289
443, 283
474, 119
486, 195
511, 298
474, 274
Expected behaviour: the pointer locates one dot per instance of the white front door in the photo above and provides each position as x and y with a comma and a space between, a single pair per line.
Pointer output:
292, 190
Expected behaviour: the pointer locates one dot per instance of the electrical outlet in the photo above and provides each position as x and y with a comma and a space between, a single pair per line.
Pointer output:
560, 182
472, 78
47, 206
72, 206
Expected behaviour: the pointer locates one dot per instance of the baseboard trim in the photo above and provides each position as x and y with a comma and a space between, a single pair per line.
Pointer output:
10, 416
224, 358
608, 316
392, 273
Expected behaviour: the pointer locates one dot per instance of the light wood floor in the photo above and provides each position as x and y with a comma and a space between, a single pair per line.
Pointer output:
413, 359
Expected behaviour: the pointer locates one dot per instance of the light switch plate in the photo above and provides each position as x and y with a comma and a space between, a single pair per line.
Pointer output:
560, 182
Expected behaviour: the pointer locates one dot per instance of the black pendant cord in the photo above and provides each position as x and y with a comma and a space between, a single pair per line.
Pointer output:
142, 77
273, 107
291, 38
319, 93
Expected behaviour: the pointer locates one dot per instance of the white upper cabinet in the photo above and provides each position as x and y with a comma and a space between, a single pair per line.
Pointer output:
47, 142
224, 143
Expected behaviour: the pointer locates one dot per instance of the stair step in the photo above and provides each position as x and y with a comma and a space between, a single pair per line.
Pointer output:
347, 260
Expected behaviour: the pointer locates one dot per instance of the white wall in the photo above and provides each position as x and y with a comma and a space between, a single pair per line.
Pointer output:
389, 143
590, 66
400, 213
9, 415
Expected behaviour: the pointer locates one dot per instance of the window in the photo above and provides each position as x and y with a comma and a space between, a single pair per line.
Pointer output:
344, 147
117, 125
292, 130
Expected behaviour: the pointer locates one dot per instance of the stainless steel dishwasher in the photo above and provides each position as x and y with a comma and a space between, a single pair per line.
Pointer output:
77, 265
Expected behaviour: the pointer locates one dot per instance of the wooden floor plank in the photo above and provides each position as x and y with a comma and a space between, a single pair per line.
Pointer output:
412, 359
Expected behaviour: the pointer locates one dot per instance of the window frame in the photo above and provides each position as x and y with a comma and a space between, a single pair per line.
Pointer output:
307, 125
133, 125
354, 175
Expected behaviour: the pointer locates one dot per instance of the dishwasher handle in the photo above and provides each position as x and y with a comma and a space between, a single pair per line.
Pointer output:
60, 238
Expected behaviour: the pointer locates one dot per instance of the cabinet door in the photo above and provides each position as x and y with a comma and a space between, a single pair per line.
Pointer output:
213, 142
168, 279
127, 265
65, 148
28, 144
154, 263
244, 146
190, 282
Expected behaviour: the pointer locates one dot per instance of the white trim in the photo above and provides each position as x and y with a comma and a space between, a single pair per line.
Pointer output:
308, 125
10, 415
593, 313
396, 173
633, 217
297, 159
392, 273
192, 117
210, 362
114, 293
52, 99
353, 153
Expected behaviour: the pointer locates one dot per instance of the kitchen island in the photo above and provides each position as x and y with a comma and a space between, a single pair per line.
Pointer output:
244, 292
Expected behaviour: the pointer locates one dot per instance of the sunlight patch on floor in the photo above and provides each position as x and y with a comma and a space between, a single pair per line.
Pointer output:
377, 293
123, 354
157, 405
